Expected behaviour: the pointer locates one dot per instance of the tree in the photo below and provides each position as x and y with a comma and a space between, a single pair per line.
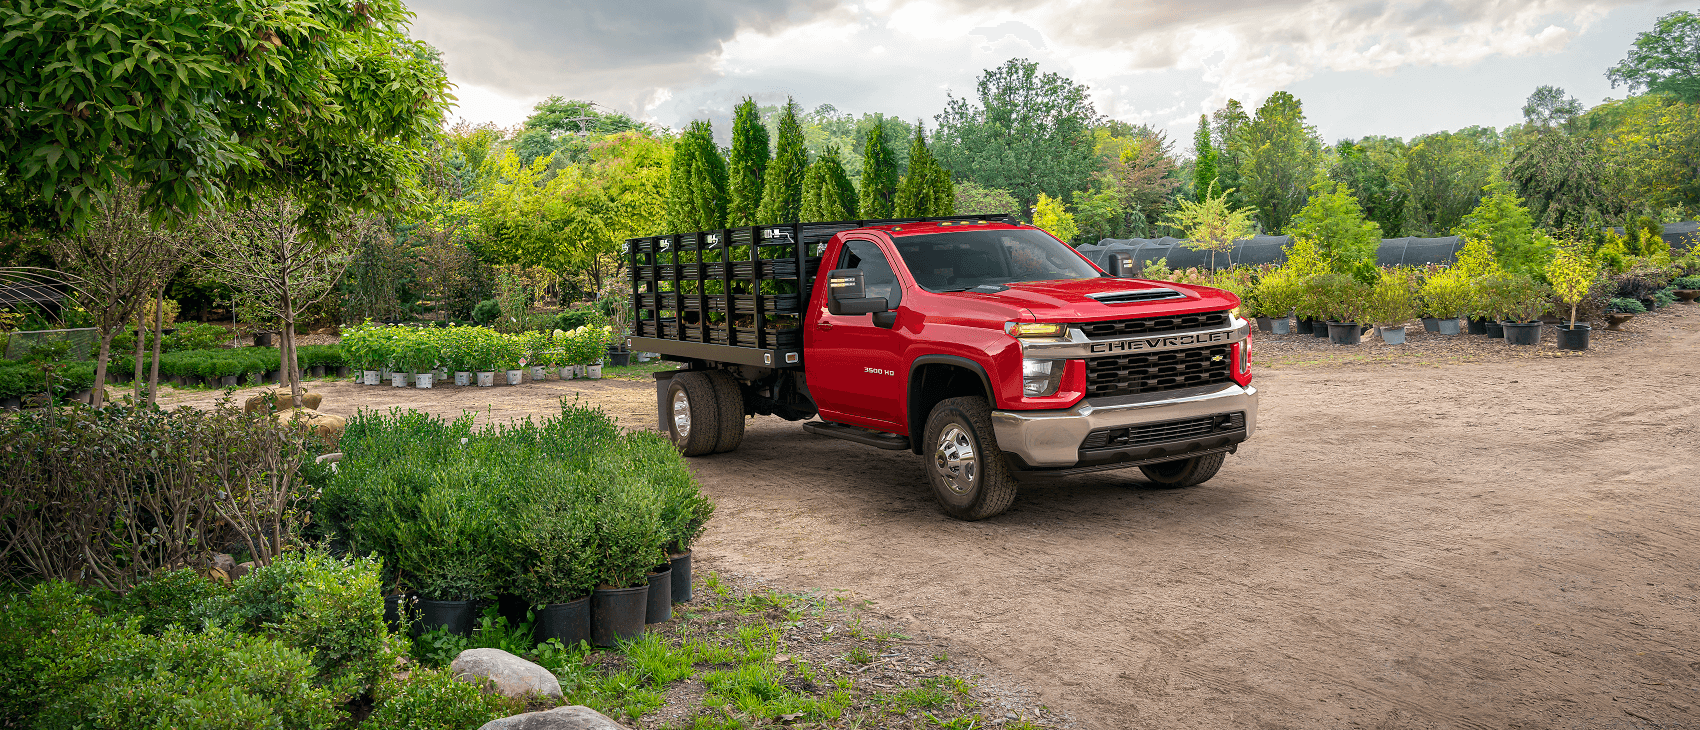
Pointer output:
1143, 176
1282, 156
747, 163
1549, 107
197, 102
1227, 129
879, 175
1334, 224
973, 198
1444, 174
1211, 224
1653, 142
1052, 216
1665, 60
1371, 168
827, 192
1564, 179
1029, 133
926, 190
1204, 171
1503, 222
263, 250
696, 190
121, 260
782, 196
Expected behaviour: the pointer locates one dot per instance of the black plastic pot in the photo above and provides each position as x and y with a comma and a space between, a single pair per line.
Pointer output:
1478, 325
1523, 333
1345, 333
1495, 330
1319, 328
457, 616
262, 339
1265, 324
1306, 324
681, 576
1573, 338
317, 371
660, 606
342, 371
513, 608
617, 613
1431, 324
393, 605
569, 622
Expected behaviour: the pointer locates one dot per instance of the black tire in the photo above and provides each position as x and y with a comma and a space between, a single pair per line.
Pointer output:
729, 396
967, 471
1184, 472
692, 395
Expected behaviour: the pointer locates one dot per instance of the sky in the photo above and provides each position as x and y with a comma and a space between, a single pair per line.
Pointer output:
1360, 67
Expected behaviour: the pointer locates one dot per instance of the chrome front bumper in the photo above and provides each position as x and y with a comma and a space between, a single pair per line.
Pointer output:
1052, 438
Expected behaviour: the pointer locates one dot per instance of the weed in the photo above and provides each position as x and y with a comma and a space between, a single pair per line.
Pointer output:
858, 655
942, 658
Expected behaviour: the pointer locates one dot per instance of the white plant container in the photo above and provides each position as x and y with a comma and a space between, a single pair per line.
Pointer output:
594, 372
423, 380
515, 376
539, 373
486, 378
368, 377
567, 372
463, 378
398, 380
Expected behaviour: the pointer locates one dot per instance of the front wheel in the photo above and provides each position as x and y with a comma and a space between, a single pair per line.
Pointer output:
967, 471
1185, 472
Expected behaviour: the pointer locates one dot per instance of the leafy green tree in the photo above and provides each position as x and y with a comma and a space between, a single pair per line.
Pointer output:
1029, 133
197, 102
696, 190
1098, 215
1371, 168
879, 175
828, 194
1204, 155
782, 198
1565, 180
566, 128
1665, 60
1052, 215
1653, 142
1549, 106
926, 190
1282, 156
748, 162
1444, 175
1503, 222
1227, 128
1333, 223
1212, 225
973, 198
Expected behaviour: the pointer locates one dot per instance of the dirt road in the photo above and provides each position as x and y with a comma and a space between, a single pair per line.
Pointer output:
1488, 545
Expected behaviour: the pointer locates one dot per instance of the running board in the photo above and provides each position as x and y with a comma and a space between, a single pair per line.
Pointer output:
889, 441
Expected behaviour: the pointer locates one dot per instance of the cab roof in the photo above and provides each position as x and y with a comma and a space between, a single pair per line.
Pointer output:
915, 229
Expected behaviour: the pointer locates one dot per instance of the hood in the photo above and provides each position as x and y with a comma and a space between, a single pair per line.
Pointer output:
1090, 300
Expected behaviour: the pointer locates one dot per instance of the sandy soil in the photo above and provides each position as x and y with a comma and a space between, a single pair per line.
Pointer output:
1507, 542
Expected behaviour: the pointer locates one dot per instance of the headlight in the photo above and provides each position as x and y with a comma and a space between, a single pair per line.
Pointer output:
1041, 377
1035, 329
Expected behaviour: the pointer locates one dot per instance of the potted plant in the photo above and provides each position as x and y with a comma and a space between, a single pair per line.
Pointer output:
487, 355
1393, 302
457, 352
512, 357
1527, 300
1573, 275
684, 513
545, 551
417, 352
628, 540
1276, 297
536, 344
1686, 288
1445, 296
1345, 301
1620, 310
596, 345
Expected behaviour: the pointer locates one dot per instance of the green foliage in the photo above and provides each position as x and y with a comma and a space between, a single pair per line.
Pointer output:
200, 102
1028, 133
1573, 275
1447, 294
1625, 305
879, 175
971, 198
432, 699
1281, 157
1211, 225
487, 312
1204, 170
782, 194
1684, 282
747, 164
1334, 224
1341, 297
171, 598
1503, 222
1665, 60
1372, 168
697, 183
926, 189
1053, 217
828, 194
1394, 299
1444, 175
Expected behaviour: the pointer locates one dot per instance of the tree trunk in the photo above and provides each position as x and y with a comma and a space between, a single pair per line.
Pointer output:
286, 347
158, 325
97, 394
141, 341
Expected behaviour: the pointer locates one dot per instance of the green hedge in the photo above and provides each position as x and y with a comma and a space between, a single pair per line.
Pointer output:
545, 511
22, 379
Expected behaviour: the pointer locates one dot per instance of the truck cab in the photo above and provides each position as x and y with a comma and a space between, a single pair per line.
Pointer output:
996, 352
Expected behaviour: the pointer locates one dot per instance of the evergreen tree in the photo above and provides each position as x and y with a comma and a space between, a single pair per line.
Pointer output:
828, 194
696, 195
782, 198
879, 175
926, 190
748, 163
1282, 157
1227, 130
1204, 174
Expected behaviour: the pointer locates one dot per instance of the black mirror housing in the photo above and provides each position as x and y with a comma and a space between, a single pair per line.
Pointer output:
1119, 264
844, 294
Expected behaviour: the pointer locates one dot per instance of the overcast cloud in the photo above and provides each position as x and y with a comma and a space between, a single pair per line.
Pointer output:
1400, 68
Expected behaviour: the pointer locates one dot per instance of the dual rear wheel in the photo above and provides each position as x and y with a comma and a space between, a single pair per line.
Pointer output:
704, 410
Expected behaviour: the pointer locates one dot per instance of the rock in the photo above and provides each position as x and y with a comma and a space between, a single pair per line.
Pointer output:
280, 400
573, 717
240, 570
508, 675
328, 427
225, 563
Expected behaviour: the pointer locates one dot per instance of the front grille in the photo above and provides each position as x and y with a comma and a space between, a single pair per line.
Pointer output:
1157, 371
1151, 434
1152, 325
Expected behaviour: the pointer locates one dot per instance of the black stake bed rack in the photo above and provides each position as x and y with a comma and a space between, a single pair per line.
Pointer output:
735, 295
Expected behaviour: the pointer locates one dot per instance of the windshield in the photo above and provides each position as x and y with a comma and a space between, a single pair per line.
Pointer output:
965, 259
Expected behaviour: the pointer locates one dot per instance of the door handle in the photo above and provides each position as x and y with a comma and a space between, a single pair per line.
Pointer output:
823, 325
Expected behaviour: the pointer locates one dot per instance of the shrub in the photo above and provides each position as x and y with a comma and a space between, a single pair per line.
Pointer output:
487, 312
1686, 282
1664, 297
432, 699
1393, 301
1447, 294
172, 598
1625, 306
52, 642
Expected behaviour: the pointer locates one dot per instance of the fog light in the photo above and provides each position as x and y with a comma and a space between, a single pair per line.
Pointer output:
1040, 377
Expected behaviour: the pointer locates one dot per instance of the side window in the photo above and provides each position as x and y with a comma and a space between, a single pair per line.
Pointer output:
877, 277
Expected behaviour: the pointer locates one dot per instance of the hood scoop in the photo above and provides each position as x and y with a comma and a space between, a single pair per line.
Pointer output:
1136, 295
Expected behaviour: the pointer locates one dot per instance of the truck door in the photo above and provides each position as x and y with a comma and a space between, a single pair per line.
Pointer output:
854, 367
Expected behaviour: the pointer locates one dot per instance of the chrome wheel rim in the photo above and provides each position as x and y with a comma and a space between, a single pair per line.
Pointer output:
955, 460
682, 415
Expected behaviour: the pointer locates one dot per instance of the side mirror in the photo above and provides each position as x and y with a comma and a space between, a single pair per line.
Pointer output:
844, 294
1119, 264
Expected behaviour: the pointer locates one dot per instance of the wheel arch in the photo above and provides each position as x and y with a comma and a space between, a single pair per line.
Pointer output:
933, 378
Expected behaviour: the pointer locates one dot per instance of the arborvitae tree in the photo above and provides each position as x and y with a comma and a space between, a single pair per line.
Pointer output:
782, 198
681, 211
1204, 174
828, 194
748, 163
879, 175
918, 194
696, 199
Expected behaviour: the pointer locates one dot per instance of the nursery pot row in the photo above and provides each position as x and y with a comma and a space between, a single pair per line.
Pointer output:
485, 379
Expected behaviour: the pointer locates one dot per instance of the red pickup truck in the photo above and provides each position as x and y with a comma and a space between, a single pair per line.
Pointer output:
995, 351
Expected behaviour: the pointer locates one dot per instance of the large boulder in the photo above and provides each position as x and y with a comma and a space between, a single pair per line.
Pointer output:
572, 717
328, 427
278, 399
508, 675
